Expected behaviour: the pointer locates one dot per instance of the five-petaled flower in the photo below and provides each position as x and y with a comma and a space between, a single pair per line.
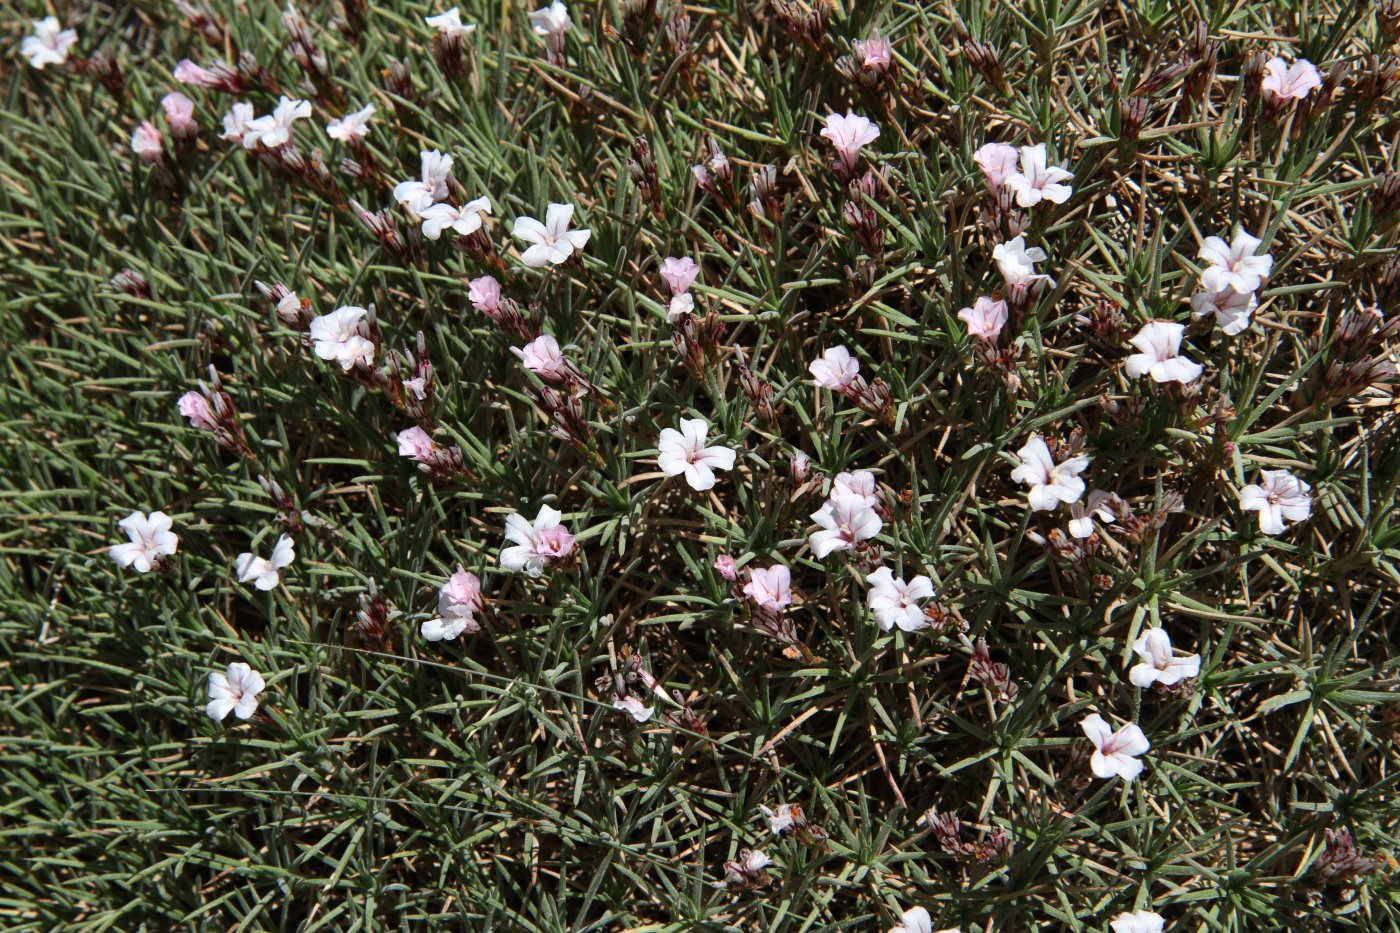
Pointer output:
234, 691
998, 163
1050, 483
684, 452
449, 24
352, 126
1284, 81
543, 357
849, 134
552, 242
771, 588
985, 318
431, 185
147, 143
265, 574
1036, 181
1277, 496
49, 43
536, 544
1115, 753
464, 220
1137, 921
1232, 310
151, 539
275, 129
339, 336
458, 602
1234, 266
1159, 664
1017, 264
845, 521
895, 603
1159, 343
836, 369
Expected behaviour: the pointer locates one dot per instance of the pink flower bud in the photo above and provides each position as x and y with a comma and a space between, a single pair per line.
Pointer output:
485, 295
147, 144
556, 542
179, 111
727, 567
679, 274
543, 357
416, 443
196, 408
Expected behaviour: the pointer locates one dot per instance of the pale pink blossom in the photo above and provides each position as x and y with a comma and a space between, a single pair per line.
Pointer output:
150, 537
727, 567
679, 273
845, 521
1115, 753
339, 336
463, 221
1284, 81
431, 185
1159, 664
1159, 346
48, 44
187, 72
1050, 483
265, 574
1231, 309
147, 143
857, 483
275, 129
352, 126
416, 443
1017, 264
458, 602
684, 452
896, 603
484, 293
1234, 266
836, 369
771, 588
998, 163
1139, 921
195, 407
1278, 495
985, 318
536, 543
849, 134
634, 707
234, 691
874, 54
179, 111
552, 242
1036, 181
543, 357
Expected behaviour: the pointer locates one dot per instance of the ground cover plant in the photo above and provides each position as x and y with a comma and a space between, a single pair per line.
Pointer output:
733, 466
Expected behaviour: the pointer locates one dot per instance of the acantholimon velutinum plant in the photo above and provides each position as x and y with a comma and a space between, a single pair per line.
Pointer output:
764, 465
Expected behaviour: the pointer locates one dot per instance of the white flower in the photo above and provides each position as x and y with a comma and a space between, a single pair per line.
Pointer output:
1232, 309
1160, 346
914, 920
275, 129
771, 588
266, 574
1234, 266
985, 318
1139, 921
781, 819
1017, 264
634, 707
1115, 753
536, 543
755, 861
464, 220
845, 520
1297, 80
236, 122
352, 125
431, 185
234, 692
151, 538
1081, 521
684, 451
895, 602
679, 307
850, 134
836, 370
1159, 665
337, 336
147, 143
551, 20
1279, 495
458, 601
553, 241
1036, 181
49, 44
1050, 483
449, 25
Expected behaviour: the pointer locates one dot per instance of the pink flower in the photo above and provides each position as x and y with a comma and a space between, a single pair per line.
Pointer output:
1286, 81
985, 318
727, 567
352, 126
536, 543
858, 483
771, 588
1115, 753
679, 273
147, 144
1160, 356
998, 163
874, 54
151, 539
461, 589
485, 294
543, 357
836, 370
1160, 665
458, 602
684, 452
187, 72
845, 520
850, 134
1278, 495
179, 110
894, 602
196, 408
416, 443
